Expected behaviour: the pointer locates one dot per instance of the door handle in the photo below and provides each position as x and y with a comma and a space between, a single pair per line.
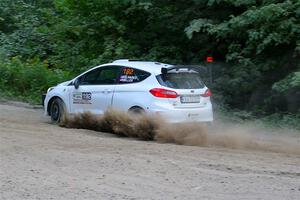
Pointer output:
106, 91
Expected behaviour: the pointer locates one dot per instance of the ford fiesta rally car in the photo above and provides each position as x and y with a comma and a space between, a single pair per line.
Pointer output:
176, 93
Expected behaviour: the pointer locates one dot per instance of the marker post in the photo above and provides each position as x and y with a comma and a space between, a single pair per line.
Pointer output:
210, 60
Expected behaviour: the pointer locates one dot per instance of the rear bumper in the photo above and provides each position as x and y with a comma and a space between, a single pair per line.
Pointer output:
203, 114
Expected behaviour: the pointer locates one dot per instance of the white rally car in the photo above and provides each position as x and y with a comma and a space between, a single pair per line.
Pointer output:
176, 93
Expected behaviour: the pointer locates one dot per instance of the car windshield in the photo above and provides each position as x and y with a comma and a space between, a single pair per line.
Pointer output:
181, 80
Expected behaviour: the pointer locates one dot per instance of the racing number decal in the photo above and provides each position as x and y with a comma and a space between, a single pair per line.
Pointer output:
86, 96
128, 71
128, 76
82, 98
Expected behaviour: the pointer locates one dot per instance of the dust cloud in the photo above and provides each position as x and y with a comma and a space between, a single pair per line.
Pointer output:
153, 127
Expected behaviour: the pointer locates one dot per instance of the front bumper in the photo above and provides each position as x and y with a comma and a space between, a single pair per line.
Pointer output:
43, 99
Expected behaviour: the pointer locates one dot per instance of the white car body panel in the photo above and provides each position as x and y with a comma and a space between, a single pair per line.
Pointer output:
100, 101
98, 98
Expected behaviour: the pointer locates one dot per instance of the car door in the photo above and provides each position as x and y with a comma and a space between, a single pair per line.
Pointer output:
95, 90
130, 91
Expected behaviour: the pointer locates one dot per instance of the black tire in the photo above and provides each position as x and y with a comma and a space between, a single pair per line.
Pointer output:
57, 110
136, 110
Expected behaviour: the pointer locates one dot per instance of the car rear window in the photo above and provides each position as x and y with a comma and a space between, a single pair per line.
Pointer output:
181, 80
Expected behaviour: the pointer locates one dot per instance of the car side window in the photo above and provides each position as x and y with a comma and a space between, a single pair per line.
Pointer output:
108, 75
132, 75
89, 78
101, 76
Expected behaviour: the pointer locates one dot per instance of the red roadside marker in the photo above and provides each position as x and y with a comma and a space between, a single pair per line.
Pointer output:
209, 59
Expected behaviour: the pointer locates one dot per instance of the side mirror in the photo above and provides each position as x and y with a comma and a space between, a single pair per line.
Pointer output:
76, 83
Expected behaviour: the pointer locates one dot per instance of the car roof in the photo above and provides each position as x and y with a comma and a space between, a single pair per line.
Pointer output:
149, 66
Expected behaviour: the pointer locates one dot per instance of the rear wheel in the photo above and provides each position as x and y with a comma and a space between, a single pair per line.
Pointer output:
57, 110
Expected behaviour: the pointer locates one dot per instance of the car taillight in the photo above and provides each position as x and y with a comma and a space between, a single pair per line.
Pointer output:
163, 93
207, 93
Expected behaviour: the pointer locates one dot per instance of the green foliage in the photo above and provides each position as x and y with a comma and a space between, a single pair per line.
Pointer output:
262, 45
291, 81
276, 120
90, 32
28, 80
256, 44
255, 31
21, 28
290, 121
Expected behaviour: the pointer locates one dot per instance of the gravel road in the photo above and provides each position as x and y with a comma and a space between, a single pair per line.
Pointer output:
39, 160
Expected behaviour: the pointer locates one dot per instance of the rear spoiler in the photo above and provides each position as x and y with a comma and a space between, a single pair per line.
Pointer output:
197, 68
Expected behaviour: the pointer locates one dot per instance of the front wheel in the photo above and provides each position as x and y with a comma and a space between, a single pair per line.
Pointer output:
57, 110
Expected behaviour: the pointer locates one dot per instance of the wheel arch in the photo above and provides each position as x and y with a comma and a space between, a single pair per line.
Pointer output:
137, 107
50, 102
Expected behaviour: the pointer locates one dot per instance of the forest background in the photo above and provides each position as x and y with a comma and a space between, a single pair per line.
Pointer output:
255, 45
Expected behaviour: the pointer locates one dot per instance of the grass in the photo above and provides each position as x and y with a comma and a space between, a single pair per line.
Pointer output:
273, 121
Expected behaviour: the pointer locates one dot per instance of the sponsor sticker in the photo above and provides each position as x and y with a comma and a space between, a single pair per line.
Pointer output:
128, 78
82, 98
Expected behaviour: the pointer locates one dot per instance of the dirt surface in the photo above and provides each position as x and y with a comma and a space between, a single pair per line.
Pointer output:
39, 160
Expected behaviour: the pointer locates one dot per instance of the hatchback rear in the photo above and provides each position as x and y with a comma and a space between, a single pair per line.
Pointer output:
181, 96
